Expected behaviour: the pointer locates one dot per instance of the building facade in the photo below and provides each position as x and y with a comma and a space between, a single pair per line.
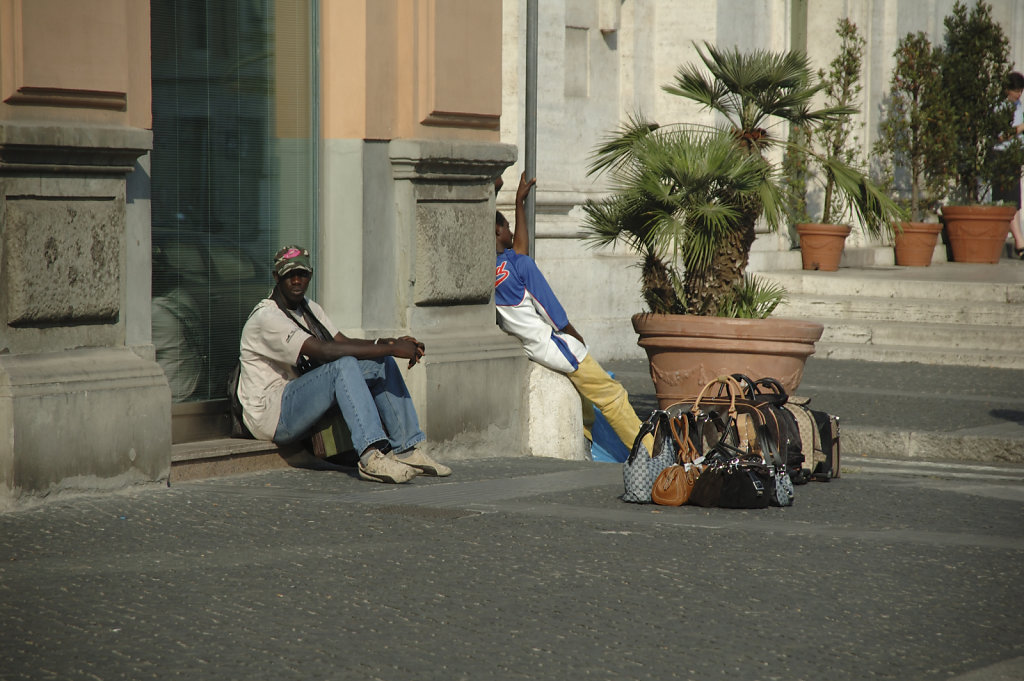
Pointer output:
601, 60
154, 155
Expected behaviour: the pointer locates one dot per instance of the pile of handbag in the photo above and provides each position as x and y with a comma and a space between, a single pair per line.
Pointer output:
739, 443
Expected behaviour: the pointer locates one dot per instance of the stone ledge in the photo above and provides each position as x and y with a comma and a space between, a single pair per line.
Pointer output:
227, 456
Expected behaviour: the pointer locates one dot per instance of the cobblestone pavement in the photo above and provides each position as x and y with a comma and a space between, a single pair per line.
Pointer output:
519, 569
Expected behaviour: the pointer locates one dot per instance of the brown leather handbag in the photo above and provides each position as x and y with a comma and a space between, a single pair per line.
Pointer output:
674, 484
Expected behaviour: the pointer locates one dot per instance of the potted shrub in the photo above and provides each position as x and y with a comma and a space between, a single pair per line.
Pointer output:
975, 62
914, 145
821, 243
686, 198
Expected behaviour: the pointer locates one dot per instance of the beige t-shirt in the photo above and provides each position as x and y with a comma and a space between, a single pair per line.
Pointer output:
269, 350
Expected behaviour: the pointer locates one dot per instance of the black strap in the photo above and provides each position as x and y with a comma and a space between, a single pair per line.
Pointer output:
319, 331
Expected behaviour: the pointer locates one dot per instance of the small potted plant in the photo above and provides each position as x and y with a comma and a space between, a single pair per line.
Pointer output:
975, 62
821, 243
686, 198
914, 145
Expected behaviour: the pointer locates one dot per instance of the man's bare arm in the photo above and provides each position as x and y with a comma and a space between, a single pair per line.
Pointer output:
521, 239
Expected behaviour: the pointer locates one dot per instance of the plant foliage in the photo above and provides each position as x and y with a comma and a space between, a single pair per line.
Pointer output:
915, 139
837, 137
975, 62
686, 197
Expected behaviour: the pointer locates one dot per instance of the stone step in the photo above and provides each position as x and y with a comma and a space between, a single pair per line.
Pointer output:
931, 336
821, 284
227, 456
923, 355
902, 309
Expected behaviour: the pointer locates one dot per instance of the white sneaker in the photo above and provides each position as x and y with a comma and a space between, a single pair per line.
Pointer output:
381, 468
424, 463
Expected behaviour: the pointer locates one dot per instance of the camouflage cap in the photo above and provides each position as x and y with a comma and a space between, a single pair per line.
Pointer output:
292, 258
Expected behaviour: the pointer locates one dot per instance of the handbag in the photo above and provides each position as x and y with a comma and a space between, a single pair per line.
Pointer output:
733, 479
331, 435
772, 395
743, 465
642, 468
674, 484
238, 427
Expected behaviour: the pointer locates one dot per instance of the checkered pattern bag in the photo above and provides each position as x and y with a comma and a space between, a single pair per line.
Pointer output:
642, 467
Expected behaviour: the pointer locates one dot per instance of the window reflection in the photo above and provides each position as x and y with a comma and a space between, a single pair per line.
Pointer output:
221, 166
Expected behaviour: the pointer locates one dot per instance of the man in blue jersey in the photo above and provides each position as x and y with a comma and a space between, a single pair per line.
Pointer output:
529, 310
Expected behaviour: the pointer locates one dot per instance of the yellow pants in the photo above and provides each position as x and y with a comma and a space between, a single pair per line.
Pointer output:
595, 385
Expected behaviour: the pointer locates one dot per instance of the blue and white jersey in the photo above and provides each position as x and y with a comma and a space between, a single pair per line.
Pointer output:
528, 309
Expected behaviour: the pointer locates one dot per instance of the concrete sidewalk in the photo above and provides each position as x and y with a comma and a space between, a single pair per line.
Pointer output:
518, 568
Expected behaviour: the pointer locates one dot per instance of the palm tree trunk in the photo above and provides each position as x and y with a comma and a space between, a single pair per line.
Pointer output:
658, 286
706, 290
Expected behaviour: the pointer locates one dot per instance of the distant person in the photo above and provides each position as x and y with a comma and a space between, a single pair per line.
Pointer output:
296, 365
529, 310
1014, 87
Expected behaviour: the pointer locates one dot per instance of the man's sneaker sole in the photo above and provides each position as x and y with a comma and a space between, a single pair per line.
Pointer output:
385, 469
382, 478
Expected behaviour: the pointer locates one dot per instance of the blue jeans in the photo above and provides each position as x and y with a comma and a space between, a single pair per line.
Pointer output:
370, 393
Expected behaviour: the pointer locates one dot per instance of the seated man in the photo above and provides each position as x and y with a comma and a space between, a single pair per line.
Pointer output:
528, 309
296, 365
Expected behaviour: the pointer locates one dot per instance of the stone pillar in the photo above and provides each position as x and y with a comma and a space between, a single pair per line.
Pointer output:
79, 409
83, 404
473, 379
411, 106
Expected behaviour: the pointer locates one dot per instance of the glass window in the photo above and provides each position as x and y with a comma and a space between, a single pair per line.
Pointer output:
232, 172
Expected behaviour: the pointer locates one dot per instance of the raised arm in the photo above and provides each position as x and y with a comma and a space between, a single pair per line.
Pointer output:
521, 239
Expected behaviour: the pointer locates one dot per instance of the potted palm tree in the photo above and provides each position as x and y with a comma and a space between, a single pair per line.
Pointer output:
975, 62
914, 145
821, 243
686, 199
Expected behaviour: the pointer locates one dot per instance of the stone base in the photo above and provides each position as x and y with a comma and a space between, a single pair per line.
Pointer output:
470, 392
81, 420
555, 416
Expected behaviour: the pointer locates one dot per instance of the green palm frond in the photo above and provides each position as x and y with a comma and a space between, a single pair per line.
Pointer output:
617, 147
686, 197
753, 298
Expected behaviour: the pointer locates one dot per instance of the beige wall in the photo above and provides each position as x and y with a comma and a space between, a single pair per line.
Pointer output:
425, 69
290, 57
52, 69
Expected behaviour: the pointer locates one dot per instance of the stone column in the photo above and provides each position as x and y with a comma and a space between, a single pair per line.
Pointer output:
78, 408
473, 380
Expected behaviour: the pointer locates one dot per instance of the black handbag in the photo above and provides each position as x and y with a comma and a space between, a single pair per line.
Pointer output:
742, 478
742, 464
769, 393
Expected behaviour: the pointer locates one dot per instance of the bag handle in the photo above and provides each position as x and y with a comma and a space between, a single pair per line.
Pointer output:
730, 384
767, 390
646, 428
751, 384
686, 449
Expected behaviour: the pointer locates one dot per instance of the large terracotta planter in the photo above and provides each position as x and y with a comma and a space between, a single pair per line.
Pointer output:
915, 244
977, 233
821, 245
686, 351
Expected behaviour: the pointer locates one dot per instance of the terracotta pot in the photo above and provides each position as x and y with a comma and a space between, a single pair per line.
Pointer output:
686, 351
821, 245
977, 233
915, 244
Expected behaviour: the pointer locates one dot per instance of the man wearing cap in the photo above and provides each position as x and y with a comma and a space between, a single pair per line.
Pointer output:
296, 365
